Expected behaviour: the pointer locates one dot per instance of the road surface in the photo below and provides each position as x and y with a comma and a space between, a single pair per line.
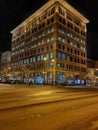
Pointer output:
48, 108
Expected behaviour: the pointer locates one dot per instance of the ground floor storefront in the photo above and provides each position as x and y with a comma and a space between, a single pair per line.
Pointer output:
51, 78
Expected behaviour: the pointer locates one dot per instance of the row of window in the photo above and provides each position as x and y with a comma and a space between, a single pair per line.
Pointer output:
77, 22
60, 38
35, 58
47, 48
41, 42
77, 38
50, 65
70, 34
49, 21
31, 52
41, 58
70, 50
70, 58
33, 38
51, 29
71, 26
69, 17
48, 39
47, 14
72, 43
70, 67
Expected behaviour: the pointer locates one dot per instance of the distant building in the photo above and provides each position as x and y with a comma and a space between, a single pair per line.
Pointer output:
90, 63
92, 71
50, 45
5, 63
0, 63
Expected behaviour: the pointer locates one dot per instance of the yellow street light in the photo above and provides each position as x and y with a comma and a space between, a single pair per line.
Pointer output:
44, 69
52, 69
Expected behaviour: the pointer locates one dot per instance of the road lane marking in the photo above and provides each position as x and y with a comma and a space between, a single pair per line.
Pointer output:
45, 98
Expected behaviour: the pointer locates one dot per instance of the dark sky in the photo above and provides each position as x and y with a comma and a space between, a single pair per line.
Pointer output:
12, 13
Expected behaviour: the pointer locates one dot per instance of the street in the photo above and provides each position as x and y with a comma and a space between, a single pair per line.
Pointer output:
48, 108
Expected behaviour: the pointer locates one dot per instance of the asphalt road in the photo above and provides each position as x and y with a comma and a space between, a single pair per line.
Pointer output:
48, 108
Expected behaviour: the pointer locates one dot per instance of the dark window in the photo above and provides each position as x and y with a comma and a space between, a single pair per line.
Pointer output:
42, 49
51, 47
48, 22
59, 46
34, 51
47, 48
75, 51
52, 20
63, 47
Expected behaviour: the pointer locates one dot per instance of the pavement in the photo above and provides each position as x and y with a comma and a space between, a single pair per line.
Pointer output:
25, 107
37, 95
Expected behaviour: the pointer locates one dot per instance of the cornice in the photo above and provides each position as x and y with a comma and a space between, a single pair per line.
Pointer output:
47, 5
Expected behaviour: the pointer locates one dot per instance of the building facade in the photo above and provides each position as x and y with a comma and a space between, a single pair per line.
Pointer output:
92, 72
0, 63
5, 63
50, 46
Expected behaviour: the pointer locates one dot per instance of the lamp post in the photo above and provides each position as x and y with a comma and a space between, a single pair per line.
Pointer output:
9, 70
52, 69
44, 69
95, 76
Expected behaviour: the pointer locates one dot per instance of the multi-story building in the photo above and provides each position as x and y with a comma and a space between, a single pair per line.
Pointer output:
0, 63
5, 63
50, 45
92, 72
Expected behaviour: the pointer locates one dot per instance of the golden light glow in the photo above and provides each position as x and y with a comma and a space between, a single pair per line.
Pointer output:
43, 93
48, 4
44, 58
52, 60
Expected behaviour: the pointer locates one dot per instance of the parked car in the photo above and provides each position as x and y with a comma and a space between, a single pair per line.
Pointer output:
3, 80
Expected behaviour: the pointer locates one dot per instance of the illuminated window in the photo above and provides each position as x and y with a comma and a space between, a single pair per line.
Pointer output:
52, 29
24, 61
27, 61
51, 55
38, 58
68, 58
60, 38
21, 62
61, 30
34, 59
63, 56
59, 55
33, 38
31, 60
50, 39
42, 57
47, 56
42, 41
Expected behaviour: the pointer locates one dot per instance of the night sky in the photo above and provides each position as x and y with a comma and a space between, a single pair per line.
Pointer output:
12, 13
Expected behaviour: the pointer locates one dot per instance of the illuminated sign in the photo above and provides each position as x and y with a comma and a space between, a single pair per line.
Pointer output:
39, 80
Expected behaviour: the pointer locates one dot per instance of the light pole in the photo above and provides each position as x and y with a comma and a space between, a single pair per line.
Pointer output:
52, 69
9, 68
95, 76
44, 69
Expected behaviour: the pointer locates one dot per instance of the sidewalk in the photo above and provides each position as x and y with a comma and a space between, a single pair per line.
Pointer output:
37, 96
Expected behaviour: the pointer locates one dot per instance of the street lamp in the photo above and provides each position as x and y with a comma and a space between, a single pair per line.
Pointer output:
52, 69
9, 69
44, 69
95, 76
